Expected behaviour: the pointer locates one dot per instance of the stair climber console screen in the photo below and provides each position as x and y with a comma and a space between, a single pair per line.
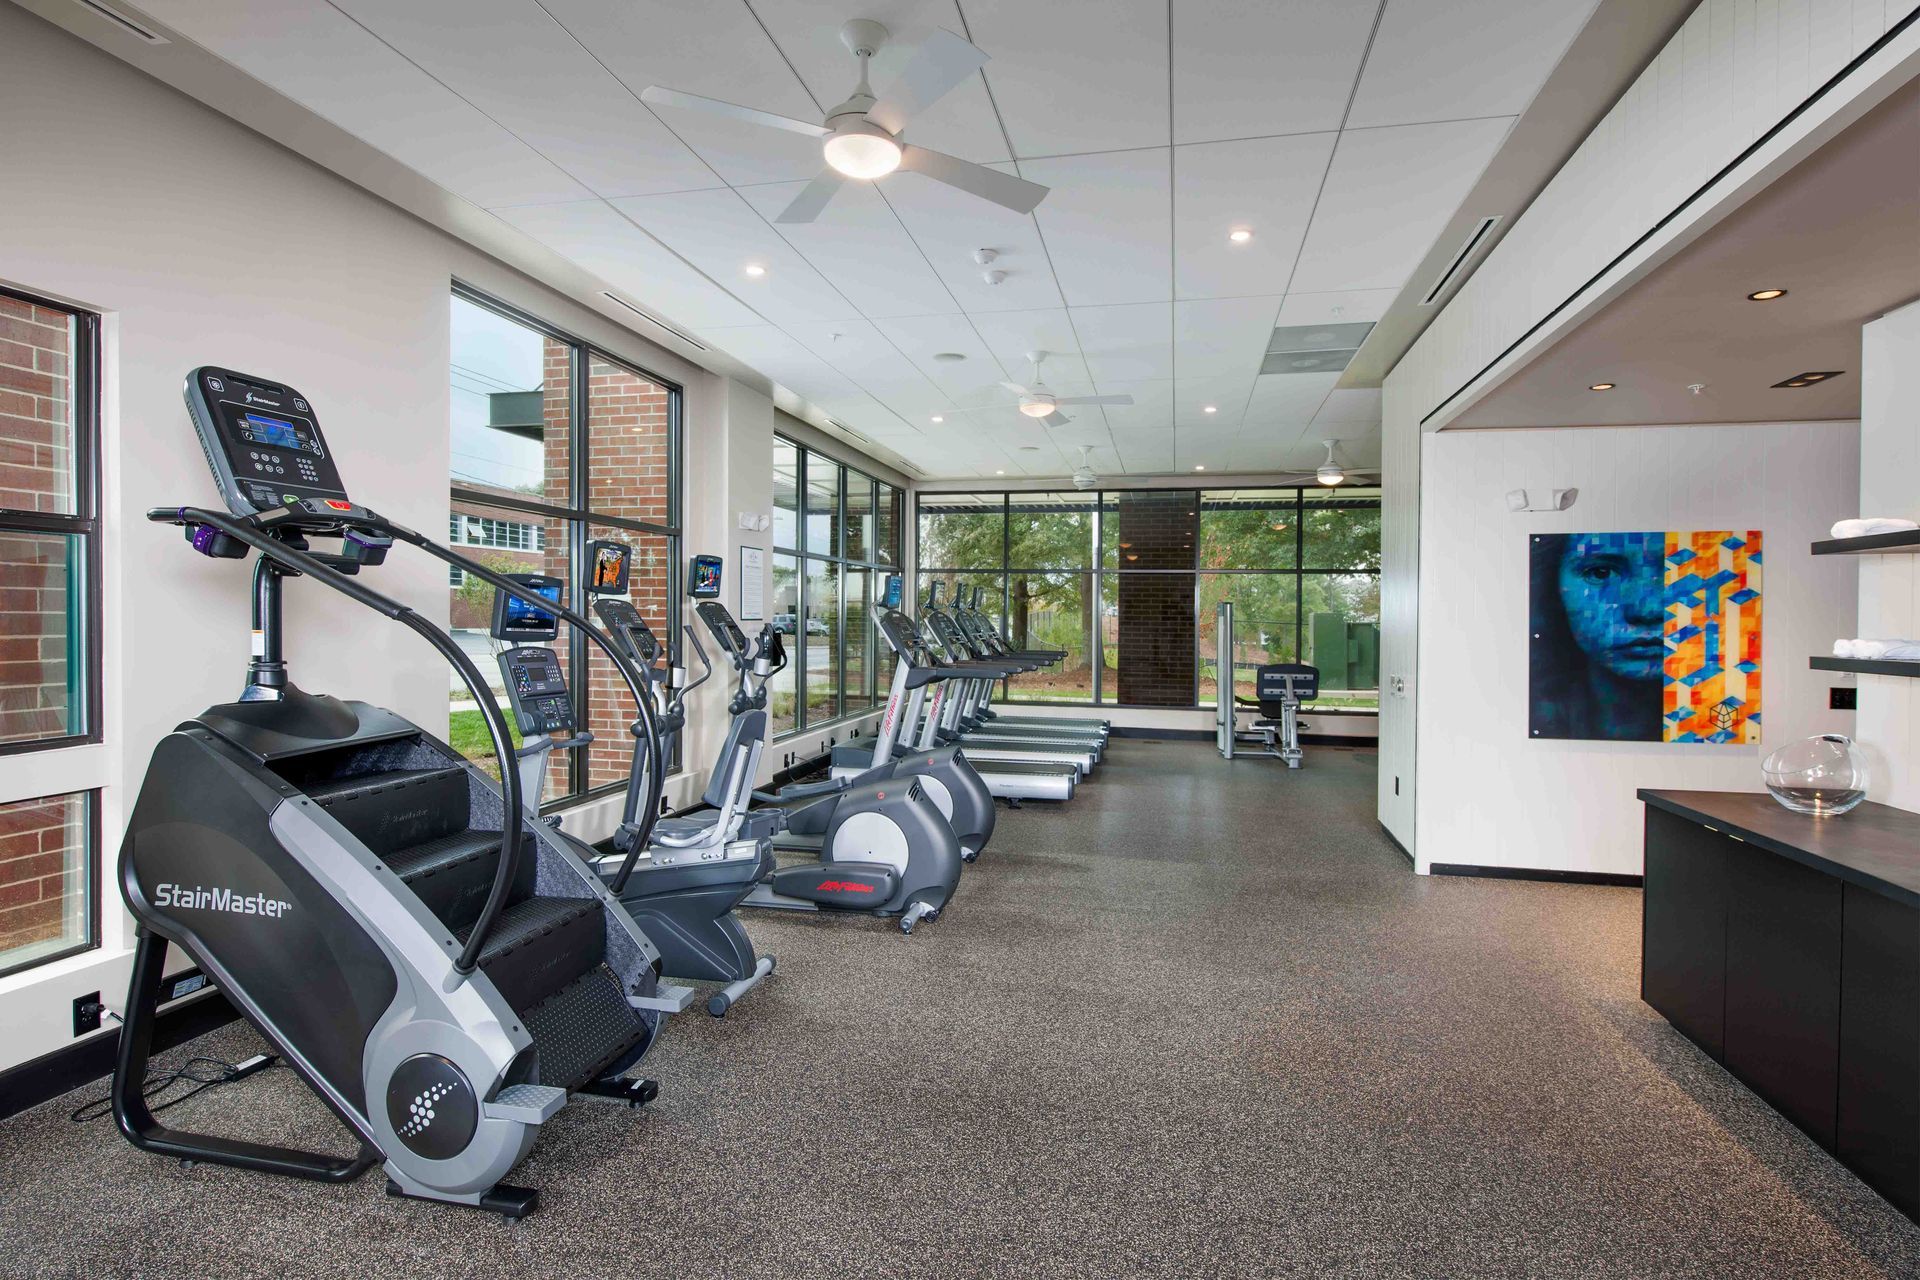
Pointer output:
263, 442
724, 628
538, 691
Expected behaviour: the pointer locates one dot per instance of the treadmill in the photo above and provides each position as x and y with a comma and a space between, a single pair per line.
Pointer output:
988, 641
957, 721
920, 682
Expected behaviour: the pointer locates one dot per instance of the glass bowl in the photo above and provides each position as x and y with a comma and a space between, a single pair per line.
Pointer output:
1822, 775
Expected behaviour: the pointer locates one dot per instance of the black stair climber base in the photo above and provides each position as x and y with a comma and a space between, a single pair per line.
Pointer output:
584, 1028
510, 1202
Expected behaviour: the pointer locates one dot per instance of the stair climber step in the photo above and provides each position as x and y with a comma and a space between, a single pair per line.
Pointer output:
453, 875
399, 808
539, 945
583, 1029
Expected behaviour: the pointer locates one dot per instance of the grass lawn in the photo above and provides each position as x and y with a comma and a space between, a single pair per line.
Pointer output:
467, 734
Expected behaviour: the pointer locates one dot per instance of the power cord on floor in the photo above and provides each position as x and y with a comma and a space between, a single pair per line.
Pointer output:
202, 1073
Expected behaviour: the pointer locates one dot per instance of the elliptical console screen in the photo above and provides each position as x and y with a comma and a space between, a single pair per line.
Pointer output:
703, 578
262, 440
515, 619
895, 585
724, 628
629, 631
608, 562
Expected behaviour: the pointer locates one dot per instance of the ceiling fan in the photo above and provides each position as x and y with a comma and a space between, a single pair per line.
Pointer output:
1332, 472
862, 134
1083, 475
1038, 402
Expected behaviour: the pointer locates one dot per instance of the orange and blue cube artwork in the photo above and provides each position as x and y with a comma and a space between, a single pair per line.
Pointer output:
1645, 637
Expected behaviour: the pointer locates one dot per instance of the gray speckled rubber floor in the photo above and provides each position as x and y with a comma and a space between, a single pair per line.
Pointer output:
1201, 1021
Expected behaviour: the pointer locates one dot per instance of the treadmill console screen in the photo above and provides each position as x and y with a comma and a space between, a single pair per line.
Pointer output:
724, 628
703, 578
537, 691
262, 440
515, 619
897, 631
629, 631
936, 594
608, 563
890, 599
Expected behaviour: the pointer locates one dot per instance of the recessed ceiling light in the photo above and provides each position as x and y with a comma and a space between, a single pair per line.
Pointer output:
1210, 408
1199, 466
1810, 377
948, 356
1766, 295
938, 418
1601, 386
1239, 235
999, 473
1029, 448
755, 269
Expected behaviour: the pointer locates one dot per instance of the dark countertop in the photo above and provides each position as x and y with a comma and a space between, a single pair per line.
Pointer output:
1876, 846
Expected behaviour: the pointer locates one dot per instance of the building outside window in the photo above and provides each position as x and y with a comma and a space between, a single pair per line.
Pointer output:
555, 444
49, 624
1127, 584
836, 537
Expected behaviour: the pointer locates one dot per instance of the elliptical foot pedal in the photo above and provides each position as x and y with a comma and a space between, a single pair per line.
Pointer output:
635, 1093
510, 1202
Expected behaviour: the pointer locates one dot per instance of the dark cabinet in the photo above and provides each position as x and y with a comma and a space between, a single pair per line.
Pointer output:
1788, 948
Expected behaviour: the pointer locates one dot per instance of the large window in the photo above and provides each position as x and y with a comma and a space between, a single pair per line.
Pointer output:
1127, 584
556, 444
49, 622
836, 535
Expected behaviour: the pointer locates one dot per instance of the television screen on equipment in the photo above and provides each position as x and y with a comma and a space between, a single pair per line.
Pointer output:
515, 619
703, 578
607, 566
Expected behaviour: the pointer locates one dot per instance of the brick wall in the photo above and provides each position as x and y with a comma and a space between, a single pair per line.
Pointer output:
36, 460
1157, 530
42, 894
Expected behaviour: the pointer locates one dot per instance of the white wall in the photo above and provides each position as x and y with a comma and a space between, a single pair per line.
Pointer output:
1888, 725
1490, 796
200, 242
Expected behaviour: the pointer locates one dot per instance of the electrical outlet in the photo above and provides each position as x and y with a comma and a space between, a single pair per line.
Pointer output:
1841, 698
86, 1013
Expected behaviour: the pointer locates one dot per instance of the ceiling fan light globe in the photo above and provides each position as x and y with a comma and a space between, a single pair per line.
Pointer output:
862, 150
1036, 408
1330, 475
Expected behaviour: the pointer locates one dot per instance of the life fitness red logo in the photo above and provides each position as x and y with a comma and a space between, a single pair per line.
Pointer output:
844, 886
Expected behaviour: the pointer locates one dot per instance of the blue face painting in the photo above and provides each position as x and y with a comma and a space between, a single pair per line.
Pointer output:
1611, 585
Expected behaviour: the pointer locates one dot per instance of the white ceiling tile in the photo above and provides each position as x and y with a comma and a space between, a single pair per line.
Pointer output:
1222, 336
1457, 59
951, 226
1126, 343
719, 233
1344, 306
786, 360
1264, 185
861, 248
1247, 68
808, 31
1227, 395
1389, 192
505, 56
1011, 335
922, 337
595, 235
1108, 225
1358, 406
326, 62
871, 362
671, 43
1076, 75
1142, 454
1151, 410
1288, 397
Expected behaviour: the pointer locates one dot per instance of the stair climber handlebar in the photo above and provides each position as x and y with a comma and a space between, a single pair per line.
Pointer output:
250, 533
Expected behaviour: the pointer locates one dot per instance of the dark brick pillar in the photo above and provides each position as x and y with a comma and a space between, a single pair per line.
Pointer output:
1158, 529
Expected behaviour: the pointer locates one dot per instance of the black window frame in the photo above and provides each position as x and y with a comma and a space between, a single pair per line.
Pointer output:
577, 520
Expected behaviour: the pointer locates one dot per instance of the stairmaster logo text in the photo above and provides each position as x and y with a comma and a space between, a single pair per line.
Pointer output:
199, 898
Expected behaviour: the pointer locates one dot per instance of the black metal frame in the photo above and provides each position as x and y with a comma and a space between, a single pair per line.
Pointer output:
1096, 571
83, 528
841, 563
577, 520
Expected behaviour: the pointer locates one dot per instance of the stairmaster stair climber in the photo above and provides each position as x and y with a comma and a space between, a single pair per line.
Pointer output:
440, 967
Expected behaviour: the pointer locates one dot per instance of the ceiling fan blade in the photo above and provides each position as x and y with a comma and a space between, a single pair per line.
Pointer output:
1003, 189
1056, 419
658, 96
1015, 387
812, 198
938, 66
1094, 400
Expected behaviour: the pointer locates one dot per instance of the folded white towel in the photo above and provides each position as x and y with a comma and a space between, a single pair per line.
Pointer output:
1903, 650
1871, 525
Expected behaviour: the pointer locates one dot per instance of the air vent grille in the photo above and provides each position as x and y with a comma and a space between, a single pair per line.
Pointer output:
1456, 266
618, 301
123, 22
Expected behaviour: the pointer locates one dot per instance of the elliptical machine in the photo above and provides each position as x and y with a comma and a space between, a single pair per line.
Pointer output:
444, 973
686, 881
885, 849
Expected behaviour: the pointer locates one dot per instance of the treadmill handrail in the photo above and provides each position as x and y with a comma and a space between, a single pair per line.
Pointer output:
249, 532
